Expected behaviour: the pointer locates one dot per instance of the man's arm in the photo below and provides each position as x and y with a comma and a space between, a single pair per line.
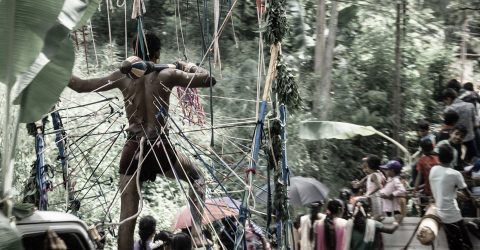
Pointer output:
114, 80
190, 76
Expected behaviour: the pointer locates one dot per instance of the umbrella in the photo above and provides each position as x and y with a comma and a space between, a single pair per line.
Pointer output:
214, 209
302, 191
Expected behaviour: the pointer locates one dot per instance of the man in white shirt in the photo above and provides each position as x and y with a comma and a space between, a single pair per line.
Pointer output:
445, 182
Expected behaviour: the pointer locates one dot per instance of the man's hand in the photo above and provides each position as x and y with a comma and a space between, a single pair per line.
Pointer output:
185, 66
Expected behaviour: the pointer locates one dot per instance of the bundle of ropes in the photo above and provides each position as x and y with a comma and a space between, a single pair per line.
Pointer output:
99, 127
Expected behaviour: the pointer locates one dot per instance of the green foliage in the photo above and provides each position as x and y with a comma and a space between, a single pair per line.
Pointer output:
24, 25
276, 24
41, 86
287, 88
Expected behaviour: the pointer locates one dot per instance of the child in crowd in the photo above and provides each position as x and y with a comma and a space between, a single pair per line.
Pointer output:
423, 132
366, 232
450, 118
393, 190
307, 239
457, 134
146, 230
374, 182
331, 232
424, 164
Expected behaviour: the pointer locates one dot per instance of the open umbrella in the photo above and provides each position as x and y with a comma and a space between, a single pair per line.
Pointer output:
215, 209
302, 191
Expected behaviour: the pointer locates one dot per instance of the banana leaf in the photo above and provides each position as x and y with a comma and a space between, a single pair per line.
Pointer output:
23, 26
317, 130
38, 89
44, 90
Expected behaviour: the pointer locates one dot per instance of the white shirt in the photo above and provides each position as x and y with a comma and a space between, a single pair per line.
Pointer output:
136, 245
444, 183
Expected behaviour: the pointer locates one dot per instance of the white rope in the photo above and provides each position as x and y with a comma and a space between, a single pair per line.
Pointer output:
109, 29
93, 41
125, 27
216, 48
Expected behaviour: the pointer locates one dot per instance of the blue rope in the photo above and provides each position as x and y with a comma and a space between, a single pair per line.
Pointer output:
240, 235
40, 171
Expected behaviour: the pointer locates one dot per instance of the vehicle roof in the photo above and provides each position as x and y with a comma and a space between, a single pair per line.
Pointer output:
49, 216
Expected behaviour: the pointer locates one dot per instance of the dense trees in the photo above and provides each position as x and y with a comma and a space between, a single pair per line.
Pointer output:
362, 72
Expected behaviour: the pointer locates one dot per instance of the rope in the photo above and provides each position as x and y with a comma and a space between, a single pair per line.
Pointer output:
93, 42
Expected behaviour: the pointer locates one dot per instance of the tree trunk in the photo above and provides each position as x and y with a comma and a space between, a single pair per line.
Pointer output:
397, 84
326, 71
463, 48
319, 55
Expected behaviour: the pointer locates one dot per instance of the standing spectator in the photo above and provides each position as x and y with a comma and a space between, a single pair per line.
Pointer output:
450, 118
393, 190
146, 230
374, 182
455, 85
331, 232
307, 241
423, 132
467, 117
469, 94
424, 164
455, 143
345, 196
181, 241
366, 232
445, 182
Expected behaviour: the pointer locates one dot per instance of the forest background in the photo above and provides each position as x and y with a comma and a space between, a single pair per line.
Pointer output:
434, 34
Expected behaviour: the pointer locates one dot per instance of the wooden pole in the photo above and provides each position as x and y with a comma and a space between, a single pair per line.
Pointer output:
397, 90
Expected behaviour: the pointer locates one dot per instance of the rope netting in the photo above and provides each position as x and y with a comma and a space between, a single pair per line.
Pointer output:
89, 131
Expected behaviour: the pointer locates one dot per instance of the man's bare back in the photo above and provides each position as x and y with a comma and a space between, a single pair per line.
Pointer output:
147, 99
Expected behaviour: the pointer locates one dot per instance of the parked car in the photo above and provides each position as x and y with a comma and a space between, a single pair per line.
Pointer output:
72, 230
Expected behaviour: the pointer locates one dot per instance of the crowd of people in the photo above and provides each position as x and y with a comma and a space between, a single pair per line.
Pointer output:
448, 158
445, 159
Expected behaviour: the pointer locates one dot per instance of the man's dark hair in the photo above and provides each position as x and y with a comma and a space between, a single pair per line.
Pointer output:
426, 145
181, 241
374, 162
445, 154
449, 93
454, 84
146, 228
423, 125
461, 128
468, 86
153, 45
450, 117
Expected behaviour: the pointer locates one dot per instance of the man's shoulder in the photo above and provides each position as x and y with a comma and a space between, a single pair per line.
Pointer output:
461, 105
437, 169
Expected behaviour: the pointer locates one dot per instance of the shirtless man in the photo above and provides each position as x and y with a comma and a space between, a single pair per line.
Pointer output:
146, 103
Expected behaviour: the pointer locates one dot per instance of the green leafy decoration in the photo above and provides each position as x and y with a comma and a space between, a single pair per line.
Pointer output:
277, 25
287, 88
24, 24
